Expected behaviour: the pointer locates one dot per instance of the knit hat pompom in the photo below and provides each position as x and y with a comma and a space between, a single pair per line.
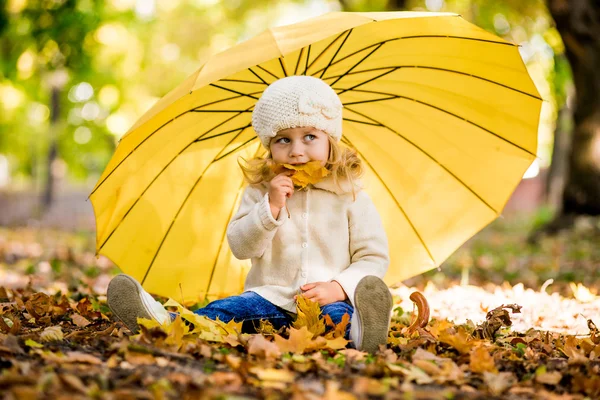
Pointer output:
297, 101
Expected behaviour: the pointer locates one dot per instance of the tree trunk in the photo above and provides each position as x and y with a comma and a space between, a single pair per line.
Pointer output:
48, 197
578, 22
557, 172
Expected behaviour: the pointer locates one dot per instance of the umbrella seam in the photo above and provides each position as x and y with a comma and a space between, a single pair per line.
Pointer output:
156, 177
395, 200
336, 53
433, 159
397, 67
179, 211
150, 135
419, 37
446, 112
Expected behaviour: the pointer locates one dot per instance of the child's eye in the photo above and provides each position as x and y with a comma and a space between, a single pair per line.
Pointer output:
310, 137
280, 140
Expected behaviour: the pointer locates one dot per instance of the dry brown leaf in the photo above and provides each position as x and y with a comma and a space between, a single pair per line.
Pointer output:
261, 347
461, 340
137, 358
571, 350
499, 383
481, 361
79, 357
549, 378
80, 320
74, 383
340, 328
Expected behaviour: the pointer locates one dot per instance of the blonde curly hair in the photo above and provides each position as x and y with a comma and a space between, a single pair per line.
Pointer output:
343, 163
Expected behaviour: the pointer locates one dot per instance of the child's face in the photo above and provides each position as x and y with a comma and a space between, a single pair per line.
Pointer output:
299, 146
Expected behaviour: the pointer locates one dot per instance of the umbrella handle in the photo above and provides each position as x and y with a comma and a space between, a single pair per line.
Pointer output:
288, 211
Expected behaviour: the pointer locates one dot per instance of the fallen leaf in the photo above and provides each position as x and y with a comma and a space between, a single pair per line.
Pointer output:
52, 333
481, 361
298, 341
80, 320
498, 383
261, 347
548, 378
32, 343
571, 350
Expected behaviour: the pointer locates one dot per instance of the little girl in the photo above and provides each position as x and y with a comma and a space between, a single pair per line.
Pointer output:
326, 240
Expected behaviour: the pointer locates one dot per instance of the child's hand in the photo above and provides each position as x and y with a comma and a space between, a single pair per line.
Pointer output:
323, 292
280, 189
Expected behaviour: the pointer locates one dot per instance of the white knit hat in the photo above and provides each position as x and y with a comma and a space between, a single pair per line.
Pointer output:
297, 101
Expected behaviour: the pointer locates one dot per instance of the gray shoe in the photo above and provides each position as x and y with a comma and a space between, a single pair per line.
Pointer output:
373, 302
129, 301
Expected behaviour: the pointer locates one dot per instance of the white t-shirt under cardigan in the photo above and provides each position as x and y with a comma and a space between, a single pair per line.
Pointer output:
328, 237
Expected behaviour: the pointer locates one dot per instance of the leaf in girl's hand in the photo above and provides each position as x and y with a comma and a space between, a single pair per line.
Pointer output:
305, 174
309, 315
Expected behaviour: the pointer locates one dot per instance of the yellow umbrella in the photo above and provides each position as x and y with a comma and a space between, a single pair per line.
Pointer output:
443, 114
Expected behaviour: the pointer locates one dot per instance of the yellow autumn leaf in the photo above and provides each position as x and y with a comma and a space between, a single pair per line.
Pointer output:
309, 316
482, 361
305, 174
298, 342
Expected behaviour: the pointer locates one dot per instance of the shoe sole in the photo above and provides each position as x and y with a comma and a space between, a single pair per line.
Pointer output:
124, 300
374, 321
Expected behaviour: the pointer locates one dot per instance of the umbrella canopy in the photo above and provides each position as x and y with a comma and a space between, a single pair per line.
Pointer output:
442, 113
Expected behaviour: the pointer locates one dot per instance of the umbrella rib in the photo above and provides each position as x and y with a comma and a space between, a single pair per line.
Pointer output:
417, 37
357, 64
367, 81
242, 81
394, 68
268, 72
202, 138
298, 62
321, 53
282, 67
307, 58
336, 52
439, 109
225, 231
395, 200
360, 122
234, 91
164, 169
258, 76
181, 208
151, 134
432, 158
221, 111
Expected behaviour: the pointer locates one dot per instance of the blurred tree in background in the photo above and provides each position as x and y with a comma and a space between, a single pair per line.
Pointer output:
76, 74
578, 22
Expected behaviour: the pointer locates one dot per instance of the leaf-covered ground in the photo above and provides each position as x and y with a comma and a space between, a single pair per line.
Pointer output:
59, 340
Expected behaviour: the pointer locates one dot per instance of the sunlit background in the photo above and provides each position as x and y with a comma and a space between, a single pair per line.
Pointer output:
107, 62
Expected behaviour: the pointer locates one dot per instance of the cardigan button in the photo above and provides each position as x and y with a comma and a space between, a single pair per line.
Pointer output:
304, 215
304, 245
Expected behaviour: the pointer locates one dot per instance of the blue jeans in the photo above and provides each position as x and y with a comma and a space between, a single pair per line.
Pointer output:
250, 307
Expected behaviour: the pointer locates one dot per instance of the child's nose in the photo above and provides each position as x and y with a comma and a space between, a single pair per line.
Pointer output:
296, 151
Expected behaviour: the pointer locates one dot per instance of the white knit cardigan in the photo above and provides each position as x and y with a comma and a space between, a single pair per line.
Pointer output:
328, 237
